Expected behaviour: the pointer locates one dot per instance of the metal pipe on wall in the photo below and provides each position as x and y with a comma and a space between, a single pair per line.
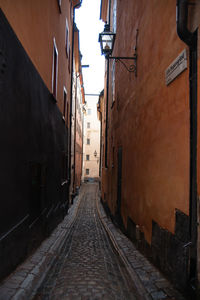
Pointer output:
106, 129
107, 96
190, 38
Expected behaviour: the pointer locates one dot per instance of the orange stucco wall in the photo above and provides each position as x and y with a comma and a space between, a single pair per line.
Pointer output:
104, 10
149, 119
36, 23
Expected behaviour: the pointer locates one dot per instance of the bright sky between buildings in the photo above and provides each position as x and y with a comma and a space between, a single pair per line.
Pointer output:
89, 25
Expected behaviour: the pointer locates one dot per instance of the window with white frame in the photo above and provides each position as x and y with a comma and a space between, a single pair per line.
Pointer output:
69, 58
54, 69
67, 46
65, 112
59, 5
114, 25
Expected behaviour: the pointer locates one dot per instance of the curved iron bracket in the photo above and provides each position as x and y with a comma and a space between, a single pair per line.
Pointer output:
130, 68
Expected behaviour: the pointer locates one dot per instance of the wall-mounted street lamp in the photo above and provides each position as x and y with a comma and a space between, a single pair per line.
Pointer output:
95, 153
107, 41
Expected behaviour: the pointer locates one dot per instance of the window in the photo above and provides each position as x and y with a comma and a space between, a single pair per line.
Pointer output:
54, 69
71, 10
114, 17
87, 157
88, 125
65, 103
87, 171
67, 115
88, 141
89, 111
67, 39
59, 5
69, 58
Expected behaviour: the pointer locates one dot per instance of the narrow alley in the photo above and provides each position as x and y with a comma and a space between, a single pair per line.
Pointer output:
88, 267
100, 150
86, 258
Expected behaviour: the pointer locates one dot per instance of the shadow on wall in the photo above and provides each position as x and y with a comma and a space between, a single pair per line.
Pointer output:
169, 252
33, 144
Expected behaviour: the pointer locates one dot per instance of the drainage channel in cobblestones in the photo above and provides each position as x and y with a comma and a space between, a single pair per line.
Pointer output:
88, 267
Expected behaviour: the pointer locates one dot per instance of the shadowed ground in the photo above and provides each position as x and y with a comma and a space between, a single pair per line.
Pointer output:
88, 267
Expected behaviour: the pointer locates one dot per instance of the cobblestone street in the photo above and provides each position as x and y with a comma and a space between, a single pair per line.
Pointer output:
87, 268
86, 258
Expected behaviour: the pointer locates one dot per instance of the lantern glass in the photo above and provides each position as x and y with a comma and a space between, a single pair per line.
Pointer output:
106, 39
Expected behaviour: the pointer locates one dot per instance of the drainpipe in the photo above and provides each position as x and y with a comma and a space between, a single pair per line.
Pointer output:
107, 103
181, 20
107, 96
71, 92
190, 38
109, 12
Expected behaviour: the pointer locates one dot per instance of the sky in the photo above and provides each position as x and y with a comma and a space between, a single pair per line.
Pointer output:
87, 19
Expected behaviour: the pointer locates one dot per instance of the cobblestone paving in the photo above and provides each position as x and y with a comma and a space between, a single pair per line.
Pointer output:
149, 281
88, 268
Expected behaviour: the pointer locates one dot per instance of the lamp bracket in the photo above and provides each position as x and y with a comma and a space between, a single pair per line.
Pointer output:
131, 68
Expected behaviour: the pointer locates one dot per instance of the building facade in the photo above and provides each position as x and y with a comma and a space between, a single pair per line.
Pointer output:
150, 147
78, 110
91, 146
36, 61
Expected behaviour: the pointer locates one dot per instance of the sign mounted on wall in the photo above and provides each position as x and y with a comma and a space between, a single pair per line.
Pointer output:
176, 67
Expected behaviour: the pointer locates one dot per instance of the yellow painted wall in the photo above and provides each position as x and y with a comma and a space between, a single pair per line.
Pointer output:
149, 119
36, 23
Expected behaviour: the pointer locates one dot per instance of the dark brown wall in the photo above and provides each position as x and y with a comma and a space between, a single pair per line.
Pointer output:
33, 143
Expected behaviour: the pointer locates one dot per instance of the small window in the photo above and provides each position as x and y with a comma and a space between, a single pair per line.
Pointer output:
88, 125
69, 57
88, 141
54, 69
89, 111
87, 171
87, 157
65, 112
59, 5
67, 39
